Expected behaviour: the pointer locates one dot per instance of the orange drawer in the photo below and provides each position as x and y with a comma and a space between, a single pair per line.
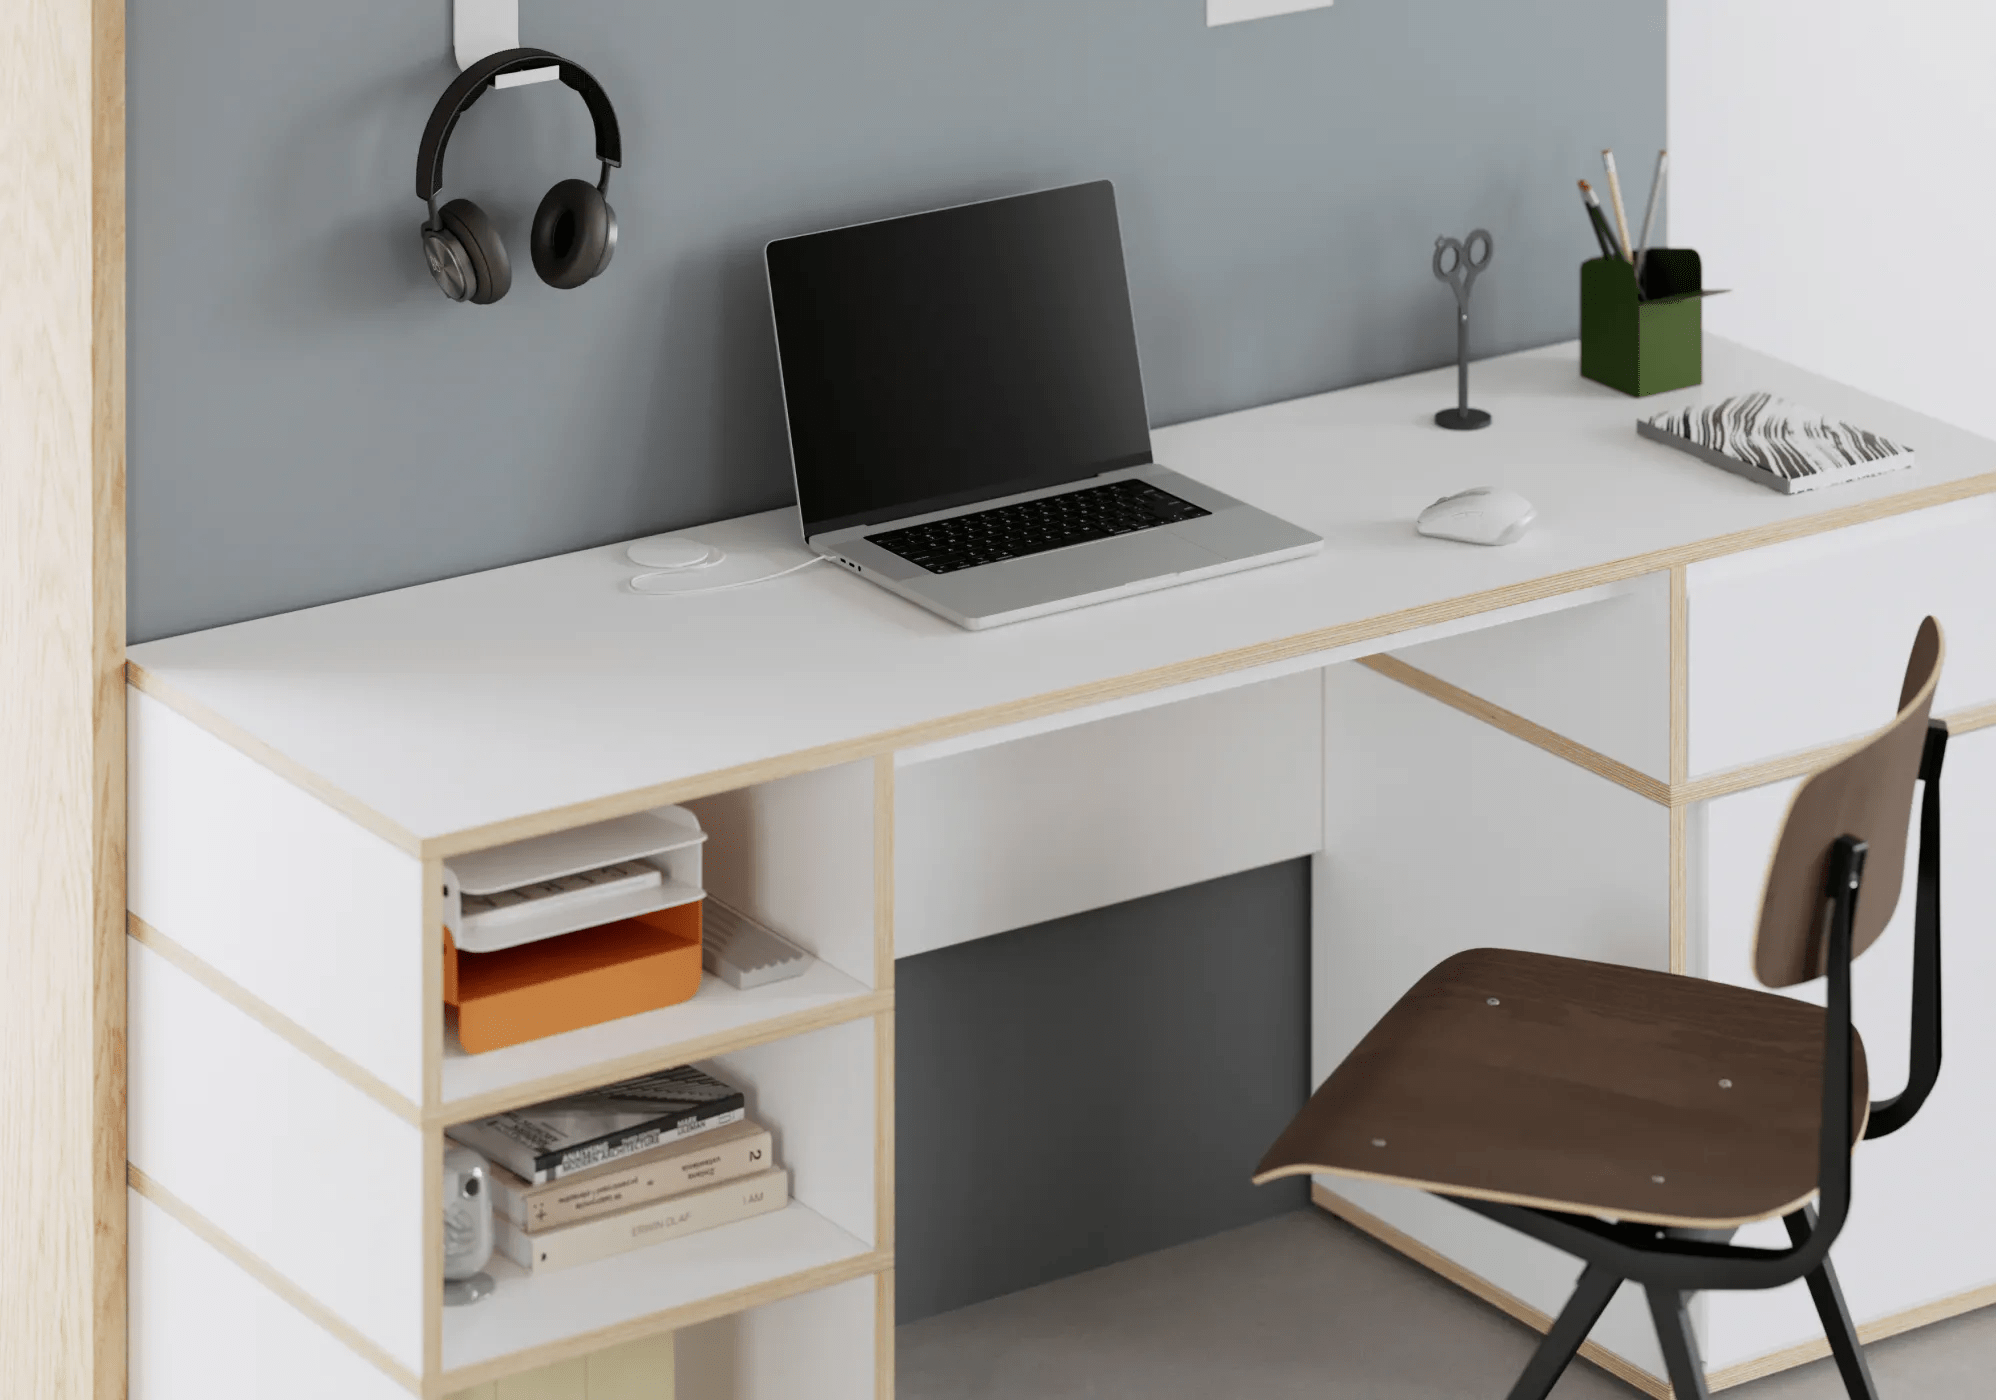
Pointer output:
579, 979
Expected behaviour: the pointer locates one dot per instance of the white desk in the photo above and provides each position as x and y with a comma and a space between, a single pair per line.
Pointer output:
1661, 658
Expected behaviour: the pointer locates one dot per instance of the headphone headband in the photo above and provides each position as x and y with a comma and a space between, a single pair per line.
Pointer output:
470, 85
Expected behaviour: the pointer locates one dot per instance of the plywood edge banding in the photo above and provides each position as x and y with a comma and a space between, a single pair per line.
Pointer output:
1516, 725
883, 870
1727, 781
1447, 1189
883, 1130
1939, 1310
254, 748
272, 1020
219, 1241
669, 1320
883, 1335
1679, 857
1475, 1284
484, 1105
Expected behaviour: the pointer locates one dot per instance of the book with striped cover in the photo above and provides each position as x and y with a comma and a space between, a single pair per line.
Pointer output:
1781, 445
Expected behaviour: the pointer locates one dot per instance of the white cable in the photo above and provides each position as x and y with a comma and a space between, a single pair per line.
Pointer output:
632, 585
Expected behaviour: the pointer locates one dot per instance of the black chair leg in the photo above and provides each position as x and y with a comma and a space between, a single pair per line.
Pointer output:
1830, 1308
1575, 1321
1671, 1310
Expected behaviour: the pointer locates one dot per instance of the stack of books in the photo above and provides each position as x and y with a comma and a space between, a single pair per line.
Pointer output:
582, 1178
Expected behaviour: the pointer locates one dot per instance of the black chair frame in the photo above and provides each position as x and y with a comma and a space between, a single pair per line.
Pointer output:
1671, 1264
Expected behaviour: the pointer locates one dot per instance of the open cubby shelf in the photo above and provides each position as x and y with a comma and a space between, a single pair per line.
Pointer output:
665, 1285
717, 1019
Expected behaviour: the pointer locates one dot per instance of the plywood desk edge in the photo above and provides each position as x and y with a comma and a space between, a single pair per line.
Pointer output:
1381, 627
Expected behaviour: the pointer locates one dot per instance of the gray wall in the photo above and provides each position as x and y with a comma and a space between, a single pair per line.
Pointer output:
1097, 1087
310, 420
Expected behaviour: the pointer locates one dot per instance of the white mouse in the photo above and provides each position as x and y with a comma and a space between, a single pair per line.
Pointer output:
1481, 515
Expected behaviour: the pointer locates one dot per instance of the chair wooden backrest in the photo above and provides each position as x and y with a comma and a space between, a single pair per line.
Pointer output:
1868, 795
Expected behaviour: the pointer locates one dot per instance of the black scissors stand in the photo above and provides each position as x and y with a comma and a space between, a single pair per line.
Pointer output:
1460, 274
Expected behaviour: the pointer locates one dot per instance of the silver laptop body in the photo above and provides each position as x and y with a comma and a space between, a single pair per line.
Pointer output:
1234, 536
942, 367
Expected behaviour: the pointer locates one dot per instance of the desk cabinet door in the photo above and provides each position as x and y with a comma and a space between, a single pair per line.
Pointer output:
1914, 1239
1803, 644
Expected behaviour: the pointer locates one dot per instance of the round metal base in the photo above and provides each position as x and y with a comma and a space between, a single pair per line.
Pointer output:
458, 1292
1462, 419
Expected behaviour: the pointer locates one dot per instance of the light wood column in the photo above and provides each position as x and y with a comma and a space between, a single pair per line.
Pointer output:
62, 718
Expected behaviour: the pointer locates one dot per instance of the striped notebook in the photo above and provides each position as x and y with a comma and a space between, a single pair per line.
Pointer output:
1781, 445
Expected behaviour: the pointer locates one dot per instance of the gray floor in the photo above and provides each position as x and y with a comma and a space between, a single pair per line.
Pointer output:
1303, 1306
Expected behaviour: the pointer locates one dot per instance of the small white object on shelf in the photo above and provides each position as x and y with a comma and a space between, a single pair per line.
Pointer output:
481, 27
550, 885
744, 953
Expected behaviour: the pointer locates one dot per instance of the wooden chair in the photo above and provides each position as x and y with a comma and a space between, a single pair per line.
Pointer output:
1637, 1119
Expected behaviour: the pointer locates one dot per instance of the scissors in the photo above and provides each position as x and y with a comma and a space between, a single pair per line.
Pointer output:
1463, 266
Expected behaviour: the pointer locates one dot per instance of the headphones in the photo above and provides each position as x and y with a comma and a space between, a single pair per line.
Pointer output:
575, 229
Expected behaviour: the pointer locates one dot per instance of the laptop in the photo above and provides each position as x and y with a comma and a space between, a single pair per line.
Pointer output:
967, 420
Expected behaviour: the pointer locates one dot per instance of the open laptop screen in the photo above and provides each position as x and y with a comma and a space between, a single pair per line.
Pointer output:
956, 356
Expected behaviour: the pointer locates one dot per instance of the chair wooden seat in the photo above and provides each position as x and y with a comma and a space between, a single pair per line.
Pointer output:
1580, 1086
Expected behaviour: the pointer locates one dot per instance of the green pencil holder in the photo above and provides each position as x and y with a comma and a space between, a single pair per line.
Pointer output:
1647, 344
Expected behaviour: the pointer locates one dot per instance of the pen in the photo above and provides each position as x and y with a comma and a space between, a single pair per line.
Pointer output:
1649, 214
1598, 220
1621, 215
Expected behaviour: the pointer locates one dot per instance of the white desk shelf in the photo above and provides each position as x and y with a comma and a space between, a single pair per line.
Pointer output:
529, 1321
719, 1019
1545, 691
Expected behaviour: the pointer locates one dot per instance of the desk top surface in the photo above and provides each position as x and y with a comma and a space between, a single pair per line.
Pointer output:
487, 707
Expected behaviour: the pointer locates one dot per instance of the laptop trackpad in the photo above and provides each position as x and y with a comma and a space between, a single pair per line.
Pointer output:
1067, 573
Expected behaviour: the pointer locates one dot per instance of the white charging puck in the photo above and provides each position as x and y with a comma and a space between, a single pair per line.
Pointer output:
674, 552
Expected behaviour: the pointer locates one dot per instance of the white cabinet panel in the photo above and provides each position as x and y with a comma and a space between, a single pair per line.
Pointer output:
815, 1093
202, 1329
1441, 834
294, 1164
1001, 838
1804, 643
1599, 675
798, 855
1910, 1240
286, 897
816, 1344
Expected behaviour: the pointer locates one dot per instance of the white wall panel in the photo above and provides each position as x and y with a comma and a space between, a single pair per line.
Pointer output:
1805, 643
1079, 818
314, 915
1910, 1239
1442, 834
1796, 131
202, 1329
284, 1157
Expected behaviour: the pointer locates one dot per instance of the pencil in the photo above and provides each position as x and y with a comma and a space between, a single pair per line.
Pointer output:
1649, 214
1621, 215
1596, 221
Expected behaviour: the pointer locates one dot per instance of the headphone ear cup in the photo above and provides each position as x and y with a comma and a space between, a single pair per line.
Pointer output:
575, 233
482, 246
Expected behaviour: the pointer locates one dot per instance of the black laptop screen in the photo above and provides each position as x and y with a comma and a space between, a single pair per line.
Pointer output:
950, 357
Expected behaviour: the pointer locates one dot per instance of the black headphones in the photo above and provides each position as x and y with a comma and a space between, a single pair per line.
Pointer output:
575, 229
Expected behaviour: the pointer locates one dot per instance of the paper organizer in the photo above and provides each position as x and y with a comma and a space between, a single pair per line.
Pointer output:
559, 932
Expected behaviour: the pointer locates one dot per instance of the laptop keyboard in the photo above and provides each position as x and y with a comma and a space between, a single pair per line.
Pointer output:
1036, 526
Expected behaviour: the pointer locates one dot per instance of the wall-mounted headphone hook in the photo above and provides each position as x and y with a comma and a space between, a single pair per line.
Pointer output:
481, 27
